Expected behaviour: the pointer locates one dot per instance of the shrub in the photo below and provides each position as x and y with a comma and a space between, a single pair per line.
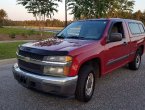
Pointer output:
24, 35
12, 35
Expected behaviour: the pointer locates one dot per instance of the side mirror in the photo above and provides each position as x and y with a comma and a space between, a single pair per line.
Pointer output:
115, 37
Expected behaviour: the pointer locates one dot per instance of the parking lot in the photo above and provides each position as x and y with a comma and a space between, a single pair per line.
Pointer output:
123, 89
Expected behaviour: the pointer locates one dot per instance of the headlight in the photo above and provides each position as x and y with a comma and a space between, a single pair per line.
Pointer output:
58, 58
61, 70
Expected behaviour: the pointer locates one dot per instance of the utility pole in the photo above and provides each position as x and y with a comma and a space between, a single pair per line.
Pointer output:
65, 13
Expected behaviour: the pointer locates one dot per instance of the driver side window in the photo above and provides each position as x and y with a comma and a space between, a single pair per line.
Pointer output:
117, 28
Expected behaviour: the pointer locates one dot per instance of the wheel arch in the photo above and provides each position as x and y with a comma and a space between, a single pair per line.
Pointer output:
142, 49
95, 63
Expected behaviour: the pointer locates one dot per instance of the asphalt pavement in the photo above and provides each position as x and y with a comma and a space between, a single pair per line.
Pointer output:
122, 89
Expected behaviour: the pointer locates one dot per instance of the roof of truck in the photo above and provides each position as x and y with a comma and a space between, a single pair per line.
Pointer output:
113, 19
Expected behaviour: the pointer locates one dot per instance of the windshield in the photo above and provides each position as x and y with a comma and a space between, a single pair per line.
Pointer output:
92, 30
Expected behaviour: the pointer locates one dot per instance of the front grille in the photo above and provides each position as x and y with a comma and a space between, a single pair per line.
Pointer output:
30, 67
31, 55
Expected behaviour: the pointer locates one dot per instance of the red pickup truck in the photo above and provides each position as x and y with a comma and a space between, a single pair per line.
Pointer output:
70, 63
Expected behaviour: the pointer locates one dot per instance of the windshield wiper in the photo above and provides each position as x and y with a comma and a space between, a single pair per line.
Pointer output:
76, 37
70, 37
60, 37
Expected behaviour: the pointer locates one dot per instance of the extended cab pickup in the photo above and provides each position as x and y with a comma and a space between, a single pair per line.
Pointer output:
69, 63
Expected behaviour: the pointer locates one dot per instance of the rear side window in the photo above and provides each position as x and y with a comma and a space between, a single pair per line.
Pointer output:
141, 28
134, 28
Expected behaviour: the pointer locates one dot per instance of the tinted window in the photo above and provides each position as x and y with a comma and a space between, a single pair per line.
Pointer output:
134, 28
84, 30
142, 28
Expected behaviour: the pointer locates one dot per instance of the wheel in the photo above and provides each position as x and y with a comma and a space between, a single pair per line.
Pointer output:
85, 84
135, 64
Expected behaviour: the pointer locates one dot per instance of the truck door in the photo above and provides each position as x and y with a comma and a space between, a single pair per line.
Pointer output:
116, 52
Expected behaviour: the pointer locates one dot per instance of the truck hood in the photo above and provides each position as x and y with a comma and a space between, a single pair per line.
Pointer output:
58, 44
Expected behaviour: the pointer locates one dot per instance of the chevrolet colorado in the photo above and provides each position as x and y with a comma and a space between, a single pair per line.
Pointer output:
69, 63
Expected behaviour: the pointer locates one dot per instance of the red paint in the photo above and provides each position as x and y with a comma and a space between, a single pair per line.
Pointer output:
85, 50
107, 51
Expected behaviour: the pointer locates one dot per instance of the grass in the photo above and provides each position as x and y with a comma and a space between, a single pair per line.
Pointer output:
8, 50
23, 32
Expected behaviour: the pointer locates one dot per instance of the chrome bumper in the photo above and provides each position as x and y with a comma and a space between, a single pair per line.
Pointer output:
57, 85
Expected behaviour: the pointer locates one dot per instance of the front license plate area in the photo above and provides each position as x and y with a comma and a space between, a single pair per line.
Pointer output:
25, 81
22, 79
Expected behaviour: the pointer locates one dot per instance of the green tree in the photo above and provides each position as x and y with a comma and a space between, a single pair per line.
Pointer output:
143, 17
41, 9
80, 9
138, 15
120, 8
100, 8
3, 16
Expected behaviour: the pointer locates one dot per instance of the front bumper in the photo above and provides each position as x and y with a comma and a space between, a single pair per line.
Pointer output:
57, 85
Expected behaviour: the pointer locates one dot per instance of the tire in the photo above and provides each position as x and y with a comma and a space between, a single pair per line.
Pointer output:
135, 64
85, 84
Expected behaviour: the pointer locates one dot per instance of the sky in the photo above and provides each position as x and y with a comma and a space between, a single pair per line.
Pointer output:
18, 12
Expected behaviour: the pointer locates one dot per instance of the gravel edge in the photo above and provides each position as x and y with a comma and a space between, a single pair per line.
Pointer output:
7, 61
